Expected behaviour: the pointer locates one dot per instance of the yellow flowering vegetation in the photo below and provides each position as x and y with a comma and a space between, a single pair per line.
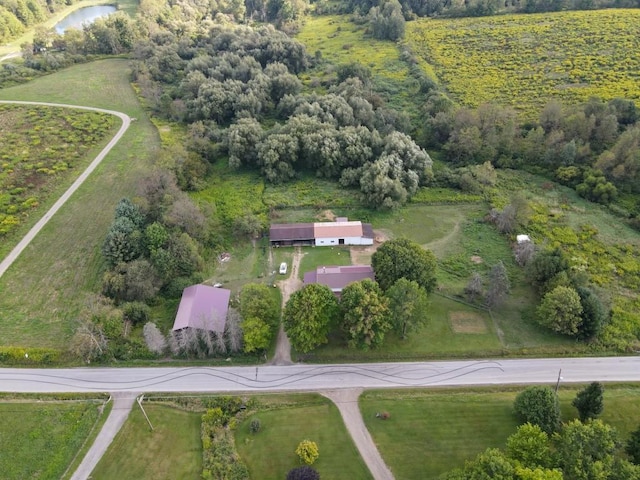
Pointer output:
526, 60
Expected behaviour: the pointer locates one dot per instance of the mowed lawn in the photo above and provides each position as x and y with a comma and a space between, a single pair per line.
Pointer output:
40, 440
431, 432
171, 451
45, 289
270, 453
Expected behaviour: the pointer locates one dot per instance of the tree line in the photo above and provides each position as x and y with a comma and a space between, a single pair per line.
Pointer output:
17, 15
545, 448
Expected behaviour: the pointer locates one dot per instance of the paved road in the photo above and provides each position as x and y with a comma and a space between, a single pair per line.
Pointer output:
126, 121
320, 377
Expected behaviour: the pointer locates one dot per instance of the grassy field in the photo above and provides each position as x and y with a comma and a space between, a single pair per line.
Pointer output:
42, 151
269, 454
431, 432
40, 440
41, 295
315, 257
172, 450
526, 60
342, 42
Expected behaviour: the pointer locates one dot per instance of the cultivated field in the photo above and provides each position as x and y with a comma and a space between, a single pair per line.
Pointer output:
432, 432
525, 60
53, 279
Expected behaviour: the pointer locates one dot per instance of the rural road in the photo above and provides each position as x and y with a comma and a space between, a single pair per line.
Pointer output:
126, 121
321, 377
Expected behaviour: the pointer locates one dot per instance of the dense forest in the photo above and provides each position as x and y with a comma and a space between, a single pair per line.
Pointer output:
17, 15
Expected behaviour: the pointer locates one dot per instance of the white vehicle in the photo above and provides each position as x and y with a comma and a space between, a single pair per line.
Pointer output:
283, 268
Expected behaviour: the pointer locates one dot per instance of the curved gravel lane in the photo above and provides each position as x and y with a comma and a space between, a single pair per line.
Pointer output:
126, 121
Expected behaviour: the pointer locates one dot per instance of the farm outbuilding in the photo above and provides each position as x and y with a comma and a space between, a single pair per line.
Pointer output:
203, 307
336, 278
321, 234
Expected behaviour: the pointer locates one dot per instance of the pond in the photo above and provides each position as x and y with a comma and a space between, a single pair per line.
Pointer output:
83, 16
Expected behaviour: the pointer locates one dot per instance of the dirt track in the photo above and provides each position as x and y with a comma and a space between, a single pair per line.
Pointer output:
288, 286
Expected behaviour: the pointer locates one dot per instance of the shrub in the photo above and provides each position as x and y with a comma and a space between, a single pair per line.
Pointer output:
307, 451
303, 473
255, 426
538, 405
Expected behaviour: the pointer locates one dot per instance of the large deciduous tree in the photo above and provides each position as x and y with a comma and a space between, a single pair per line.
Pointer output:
538, 405
633, 446
256, 334
257, 300
309, 315
408, 306
402, 258
586, 451
529, 446
365, 314
561, 310
589, 401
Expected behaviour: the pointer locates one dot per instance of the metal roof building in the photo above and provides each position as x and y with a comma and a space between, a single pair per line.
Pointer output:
338, 277
203, 307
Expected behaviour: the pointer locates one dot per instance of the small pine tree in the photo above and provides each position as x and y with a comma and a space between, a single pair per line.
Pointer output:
589, 401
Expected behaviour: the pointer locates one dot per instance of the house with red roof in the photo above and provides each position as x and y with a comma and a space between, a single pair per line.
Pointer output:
204, 308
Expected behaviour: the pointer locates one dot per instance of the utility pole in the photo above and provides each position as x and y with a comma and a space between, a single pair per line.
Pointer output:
558, 382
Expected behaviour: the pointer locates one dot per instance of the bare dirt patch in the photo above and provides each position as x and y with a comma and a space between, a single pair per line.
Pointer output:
467, 322
326, 215
476, 259
362, 255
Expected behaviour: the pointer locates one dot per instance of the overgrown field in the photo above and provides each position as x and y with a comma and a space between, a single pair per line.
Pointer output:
342, 42
431, 432
41, 148
526, 60
42, 294
40, 440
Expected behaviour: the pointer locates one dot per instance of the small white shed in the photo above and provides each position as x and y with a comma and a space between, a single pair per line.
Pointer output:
522, 238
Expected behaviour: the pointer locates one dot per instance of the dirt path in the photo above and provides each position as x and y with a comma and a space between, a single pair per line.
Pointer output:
126, 121
347, 402
122, 403
288, 286
442, 243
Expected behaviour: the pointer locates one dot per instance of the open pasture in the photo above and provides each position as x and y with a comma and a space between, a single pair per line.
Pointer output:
526, 60
431, 432
41, 149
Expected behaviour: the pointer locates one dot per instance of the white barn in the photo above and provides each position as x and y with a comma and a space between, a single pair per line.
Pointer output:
342, 233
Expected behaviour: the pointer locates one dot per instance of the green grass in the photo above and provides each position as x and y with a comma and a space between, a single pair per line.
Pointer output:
41, 295
436, 339
172, 450
270, 454
432, 432
40, 440
315, 257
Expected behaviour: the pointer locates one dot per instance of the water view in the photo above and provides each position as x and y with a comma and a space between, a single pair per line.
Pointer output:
84, 16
